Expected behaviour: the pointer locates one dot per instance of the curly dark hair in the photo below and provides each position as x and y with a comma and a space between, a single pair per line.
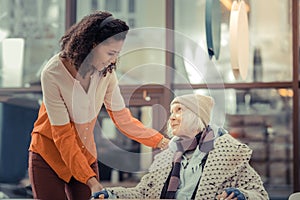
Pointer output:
82, 37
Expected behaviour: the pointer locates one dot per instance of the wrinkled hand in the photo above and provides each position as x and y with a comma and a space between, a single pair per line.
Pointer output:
231, 194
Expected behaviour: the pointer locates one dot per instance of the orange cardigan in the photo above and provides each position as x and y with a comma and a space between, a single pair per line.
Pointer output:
67, 155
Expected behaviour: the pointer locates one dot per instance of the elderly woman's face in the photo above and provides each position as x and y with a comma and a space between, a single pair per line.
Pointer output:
182, 121
179, 126
176, 118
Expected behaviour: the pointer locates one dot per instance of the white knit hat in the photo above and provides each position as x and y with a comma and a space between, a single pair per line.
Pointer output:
199, 104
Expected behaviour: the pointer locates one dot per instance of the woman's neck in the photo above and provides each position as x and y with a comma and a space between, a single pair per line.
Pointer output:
84, 81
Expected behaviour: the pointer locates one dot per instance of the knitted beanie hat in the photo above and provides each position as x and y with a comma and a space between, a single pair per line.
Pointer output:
201, 105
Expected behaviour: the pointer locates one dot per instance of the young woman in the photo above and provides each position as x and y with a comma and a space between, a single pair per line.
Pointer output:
75, 84
198, 164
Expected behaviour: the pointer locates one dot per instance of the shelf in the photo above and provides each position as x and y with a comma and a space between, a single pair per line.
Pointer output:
28, 97
244, 86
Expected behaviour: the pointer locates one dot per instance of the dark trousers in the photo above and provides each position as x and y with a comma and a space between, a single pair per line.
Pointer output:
47, 185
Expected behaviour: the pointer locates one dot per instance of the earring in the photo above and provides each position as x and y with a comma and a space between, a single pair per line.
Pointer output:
109, 68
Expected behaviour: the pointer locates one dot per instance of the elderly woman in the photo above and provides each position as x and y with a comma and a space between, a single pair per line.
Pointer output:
198, 163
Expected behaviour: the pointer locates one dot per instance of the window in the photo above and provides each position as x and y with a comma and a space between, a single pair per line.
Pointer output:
30, 32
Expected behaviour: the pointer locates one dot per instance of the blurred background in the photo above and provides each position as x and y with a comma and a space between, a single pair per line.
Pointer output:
165, 55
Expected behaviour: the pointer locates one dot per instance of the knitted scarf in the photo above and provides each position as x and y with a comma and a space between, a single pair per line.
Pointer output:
204, 140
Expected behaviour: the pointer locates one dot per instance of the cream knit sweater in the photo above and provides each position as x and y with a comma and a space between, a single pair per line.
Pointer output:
227, 165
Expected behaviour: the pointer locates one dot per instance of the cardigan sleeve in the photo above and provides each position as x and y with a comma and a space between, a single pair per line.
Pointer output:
137, 192
124, 121
52, 98
63, 132
134, 129
151, 183
251, 185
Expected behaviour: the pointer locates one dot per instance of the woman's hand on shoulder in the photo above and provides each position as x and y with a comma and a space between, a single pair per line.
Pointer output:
163, 144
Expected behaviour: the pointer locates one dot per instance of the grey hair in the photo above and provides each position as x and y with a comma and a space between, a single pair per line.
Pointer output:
190, 120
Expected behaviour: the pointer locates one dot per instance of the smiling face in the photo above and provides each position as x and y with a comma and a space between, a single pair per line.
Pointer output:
176, 118
180, 122
106, 53
183, 122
